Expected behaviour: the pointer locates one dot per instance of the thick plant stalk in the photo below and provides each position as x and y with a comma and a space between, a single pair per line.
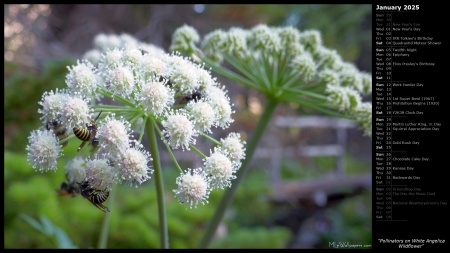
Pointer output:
230, 192
103, 242
153, 144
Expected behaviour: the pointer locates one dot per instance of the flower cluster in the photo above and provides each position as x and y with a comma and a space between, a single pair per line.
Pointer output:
176, 96
286, 64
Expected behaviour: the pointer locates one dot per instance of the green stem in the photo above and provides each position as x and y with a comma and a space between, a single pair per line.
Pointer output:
197, 151
142, 129
109, 94
169, 149
153, 144
211, 139
103, 241
230, 74
229, 194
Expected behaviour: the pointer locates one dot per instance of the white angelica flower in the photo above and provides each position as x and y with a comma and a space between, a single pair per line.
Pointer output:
364, 117
82, 79
192, 187
100, 174
113, 135
311, 40
179, 130
366, 80
120, 80
132, 57
184, 39
327, 58
155, 97
233, 148
202, 115
93, 56
288, 35
43, 150
304, 65
211, 45
346, 98
133, 166
264, 38
52, 105
76, 170
111, 59
153, 65
183, 74
219, 170
76, 112
329, 77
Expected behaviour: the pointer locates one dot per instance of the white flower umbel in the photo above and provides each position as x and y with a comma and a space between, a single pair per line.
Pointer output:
93, 56
202, 115
329, 77
211, 45
110, 59
364, 117
235, 42
120, 80
52, 105
76, 112
346, 98
179, 130
223, 111
183, 73
350, 76
366, 80
82, 79
311, 40
184, 38
204, 78
151, 65
133, 166
234, 149
220, 102
132, 57
219, 169
155, 97
288, 35
106, 42
304, 65
100, 174
113, 135
263, 38
128, 41
151, 50
327, 58
76, 170
192, 187
43, 150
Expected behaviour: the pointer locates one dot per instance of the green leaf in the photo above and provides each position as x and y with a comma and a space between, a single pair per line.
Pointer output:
34, 223
63, 239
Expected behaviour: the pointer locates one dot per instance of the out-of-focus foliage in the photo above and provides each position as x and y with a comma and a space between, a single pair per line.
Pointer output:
350, 221
23, 89
46, 227
255, 238
134, 218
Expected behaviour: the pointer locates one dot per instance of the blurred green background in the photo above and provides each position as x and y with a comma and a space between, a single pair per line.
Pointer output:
42, 40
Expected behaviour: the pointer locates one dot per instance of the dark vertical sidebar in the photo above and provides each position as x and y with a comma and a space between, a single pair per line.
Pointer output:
410, 124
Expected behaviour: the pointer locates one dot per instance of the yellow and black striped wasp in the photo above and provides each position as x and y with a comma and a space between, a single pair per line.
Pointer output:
68, 188
59, 129
95, 196
87, 134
